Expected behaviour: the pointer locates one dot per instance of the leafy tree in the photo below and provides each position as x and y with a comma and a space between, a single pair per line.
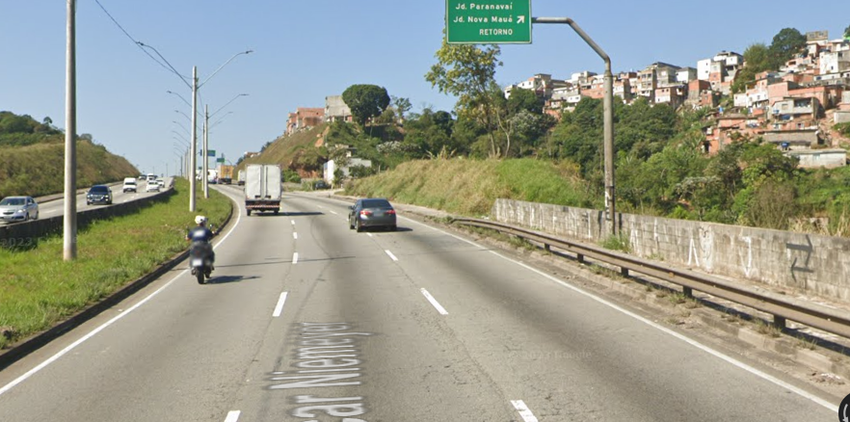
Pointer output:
786, 43
524, 99
429, 132
847, 32
757, 59
366, 101
468, 72
402, 105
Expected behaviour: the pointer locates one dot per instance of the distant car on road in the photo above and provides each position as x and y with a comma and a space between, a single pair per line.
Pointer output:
18, 208
99, 194
130, 185
371, 212
321, 184
153, 186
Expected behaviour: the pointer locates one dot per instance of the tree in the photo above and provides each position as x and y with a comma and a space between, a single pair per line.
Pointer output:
524, 99
757, 59
847, 32
467, 72
402, 105
786, 43
366, 101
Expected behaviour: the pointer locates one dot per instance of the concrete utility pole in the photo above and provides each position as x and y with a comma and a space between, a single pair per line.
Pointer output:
194, 148
608, 118
206, 149
69, 249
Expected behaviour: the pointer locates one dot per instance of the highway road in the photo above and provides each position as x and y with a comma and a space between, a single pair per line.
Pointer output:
57, 208
306, 320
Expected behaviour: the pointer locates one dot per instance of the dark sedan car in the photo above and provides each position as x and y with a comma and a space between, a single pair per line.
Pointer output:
99, 194
373, 212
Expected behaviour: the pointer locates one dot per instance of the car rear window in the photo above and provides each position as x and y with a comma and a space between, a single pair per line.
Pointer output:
376, 203
99, 189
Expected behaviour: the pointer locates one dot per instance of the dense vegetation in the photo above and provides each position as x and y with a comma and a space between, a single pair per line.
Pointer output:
32, 158
661, 168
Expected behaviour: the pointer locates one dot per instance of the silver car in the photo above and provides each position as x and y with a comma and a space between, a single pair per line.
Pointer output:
18, 208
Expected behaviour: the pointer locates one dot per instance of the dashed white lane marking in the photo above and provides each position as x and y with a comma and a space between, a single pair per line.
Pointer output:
295, 258
523, 410
333, 212
233, 416
391, 255
369, 234
434, 302
295, 235
292, 221
279, 308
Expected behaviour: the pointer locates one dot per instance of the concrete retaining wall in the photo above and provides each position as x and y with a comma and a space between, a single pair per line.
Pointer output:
27, 235
815, 264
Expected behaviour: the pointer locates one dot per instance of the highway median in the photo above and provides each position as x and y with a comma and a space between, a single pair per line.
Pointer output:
39, 291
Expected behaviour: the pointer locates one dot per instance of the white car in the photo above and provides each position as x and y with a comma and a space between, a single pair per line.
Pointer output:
129, 184
153, 186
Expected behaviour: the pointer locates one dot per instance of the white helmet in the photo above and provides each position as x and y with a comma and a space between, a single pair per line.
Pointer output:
200, 220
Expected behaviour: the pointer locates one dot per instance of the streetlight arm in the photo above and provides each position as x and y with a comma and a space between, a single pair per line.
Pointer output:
222, 66
228, 103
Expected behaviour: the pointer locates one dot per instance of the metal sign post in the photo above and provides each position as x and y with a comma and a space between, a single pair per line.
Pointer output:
510, 22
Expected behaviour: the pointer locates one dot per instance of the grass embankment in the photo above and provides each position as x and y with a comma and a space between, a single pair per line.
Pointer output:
38, 289
38, 169
471, 187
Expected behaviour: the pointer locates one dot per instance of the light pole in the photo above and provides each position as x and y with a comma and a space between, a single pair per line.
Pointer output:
207, 117
69, 222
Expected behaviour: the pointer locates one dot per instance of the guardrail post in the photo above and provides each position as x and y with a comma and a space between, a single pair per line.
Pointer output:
688, 292
779, 322
624, 271
580, 258
547, 248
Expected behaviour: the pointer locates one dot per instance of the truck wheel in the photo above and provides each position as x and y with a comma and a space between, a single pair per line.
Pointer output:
249, 213
276, 211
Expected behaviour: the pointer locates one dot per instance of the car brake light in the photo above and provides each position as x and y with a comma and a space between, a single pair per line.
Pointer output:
366, 213
389, 212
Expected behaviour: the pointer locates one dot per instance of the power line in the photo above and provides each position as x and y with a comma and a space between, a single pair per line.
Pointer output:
166, 65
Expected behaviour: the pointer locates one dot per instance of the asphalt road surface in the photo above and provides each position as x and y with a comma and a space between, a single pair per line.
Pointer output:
306, 320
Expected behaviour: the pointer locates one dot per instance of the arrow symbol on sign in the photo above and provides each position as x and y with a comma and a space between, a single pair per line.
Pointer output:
520, 19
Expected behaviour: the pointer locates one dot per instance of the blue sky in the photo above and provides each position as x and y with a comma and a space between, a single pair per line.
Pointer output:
306, 50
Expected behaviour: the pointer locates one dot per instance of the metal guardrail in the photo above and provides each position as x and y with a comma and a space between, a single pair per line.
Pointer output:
781, 308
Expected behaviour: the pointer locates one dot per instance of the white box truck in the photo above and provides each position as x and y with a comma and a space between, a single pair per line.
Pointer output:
262, 188
241, 179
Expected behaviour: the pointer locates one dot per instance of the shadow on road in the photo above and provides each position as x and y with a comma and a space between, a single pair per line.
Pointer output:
229, 279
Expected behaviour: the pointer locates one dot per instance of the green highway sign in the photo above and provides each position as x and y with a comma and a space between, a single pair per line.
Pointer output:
210, 153
488, 22
219, 160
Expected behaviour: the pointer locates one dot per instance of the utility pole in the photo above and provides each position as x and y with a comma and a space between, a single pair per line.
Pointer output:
69, 249
194, 150
206, 149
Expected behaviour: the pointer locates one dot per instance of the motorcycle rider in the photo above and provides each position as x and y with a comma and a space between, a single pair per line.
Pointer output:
204, 235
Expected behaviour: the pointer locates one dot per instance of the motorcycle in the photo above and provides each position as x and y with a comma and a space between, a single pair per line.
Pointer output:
200, 260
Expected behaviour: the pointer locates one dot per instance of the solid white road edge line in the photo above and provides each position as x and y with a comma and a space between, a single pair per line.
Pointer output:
391, 255
682, 337
232, 416
294, 258
279, 308
523, 410
94, 332
434, 302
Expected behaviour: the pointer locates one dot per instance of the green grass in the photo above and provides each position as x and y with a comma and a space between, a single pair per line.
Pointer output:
38, 289
471, 187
